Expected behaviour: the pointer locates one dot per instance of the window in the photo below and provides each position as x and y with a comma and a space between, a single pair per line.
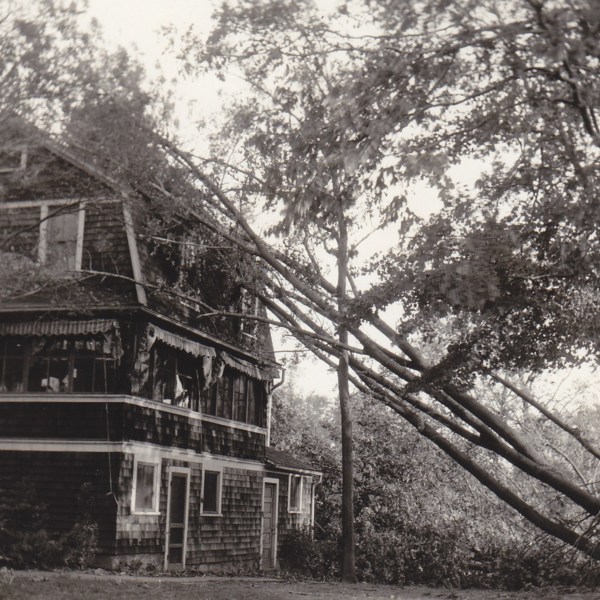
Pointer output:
144, 497
61, 236
211, 492
300, 494
236, 396
12, 159
295, 494
12, 365
176, 378
57, 364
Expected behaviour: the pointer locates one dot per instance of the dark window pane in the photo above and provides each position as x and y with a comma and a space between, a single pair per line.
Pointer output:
225, 396
104, 375
187, 389
144, 492
178, 499
58, 375
11, 379
164, 375
251, 400
239, 400
211, 491
38, 374
83, 374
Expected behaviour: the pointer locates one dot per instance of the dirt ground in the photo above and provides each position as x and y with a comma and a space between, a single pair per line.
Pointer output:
66, 586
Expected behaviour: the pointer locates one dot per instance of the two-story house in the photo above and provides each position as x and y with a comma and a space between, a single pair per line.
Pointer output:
105, 381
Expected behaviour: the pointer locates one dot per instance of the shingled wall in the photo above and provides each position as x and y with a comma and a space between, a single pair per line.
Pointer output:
230, 540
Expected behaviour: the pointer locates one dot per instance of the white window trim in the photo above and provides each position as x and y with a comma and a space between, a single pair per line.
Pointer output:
188, 473
212, 469
43, 238
299, 509
155, 462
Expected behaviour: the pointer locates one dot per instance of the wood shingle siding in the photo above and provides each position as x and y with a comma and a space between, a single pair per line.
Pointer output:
105, 241
19, 230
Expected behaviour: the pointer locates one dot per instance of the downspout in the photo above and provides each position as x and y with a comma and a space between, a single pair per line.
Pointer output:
278, 384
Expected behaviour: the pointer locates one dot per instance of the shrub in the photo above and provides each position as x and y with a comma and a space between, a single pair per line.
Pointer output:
25, 541
302, 555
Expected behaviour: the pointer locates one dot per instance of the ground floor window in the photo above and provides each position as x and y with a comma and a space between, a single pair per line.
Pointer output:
144, 498
300, 494
211, 492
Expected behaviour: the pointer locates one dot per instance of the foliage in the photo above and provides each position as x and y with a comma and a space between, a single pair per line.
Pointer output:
420, 518
25, 541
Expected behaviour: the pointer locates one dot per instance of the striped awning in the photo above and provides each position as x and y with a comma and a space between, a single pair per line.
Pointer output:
60, 327
177, 341
246, 367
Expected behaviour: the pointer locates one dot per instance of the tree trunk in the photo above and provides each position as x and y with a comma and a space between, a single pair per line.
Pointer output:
348, 552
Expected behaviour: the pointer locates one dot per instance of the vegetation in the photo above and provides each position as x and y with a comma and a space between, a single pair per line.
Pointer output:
25, 542
420, 519
338, 120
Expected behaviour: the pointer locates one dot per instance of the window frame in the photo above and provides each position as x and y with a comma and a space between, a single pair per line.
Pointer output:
222, 397
298, 509
219, 471
79, 208
156, 463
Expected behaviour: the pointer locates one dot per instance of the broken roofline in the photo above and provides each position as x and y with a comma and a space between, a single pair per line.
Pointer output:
44, 140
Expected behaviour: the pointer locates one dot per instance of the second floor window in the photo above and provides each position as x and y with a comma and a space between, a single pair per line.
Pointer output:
56, 365
61, 230
236, 396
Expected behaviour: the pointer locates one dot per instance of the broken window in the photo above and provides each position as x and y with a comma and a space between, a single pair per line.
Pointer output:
57, 364
176, 379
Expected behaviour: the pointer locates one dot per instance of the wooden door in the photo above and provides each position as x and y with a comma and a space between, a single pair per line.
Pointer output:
269, 532
177, 520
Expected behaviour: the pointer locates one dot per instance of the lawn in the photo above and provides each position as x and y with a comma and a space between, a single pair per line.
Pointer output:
62, 586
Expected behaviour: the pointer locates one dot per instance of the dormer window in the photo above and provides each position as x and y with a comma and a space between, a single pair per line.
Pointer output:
61, 236
12, 159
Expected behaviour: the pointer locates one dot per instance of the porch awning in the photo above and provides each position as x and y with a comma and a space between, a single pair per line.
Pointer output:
61, 327
180, 343
246, 367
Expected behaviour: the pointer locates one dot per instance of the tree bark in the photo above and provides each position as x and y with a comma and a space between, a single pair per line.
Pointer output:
348, 551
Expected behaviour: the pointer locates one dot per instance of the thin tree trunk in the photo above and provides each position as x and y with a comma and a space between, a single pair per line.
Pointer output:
348, 552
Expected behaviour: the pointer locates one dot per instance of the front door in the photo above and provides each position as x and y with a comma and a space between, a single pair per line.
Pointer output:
269, 531
178, 491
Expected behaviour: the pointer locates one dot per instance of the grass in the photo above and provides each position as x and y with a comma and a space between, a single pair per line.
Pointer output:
62, 586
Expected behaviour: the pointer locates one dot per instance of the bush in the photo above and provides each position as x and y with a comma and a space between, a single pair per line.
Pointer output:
25, 541
304, 556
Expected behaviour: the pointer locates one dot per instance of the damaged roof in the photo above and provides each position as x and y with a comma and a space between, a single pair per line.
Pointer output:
283, 460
